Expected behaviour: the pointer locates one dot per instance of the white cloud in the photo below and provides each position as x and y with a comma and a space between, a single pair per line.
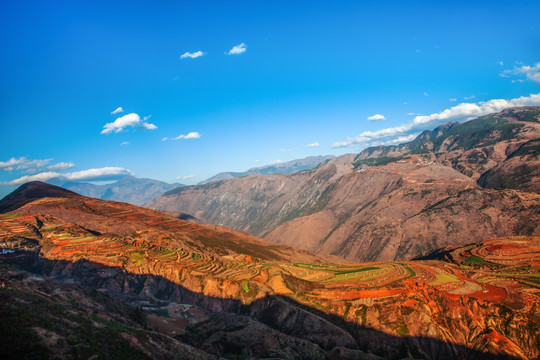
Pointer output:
191, 135
376, 117
501, 63
62, 166
426, 94
105, 173
191, 55
460, 112
285, 150
124, 143
186, 177
257, 161
452, 99
118, 110
165, 139
469, 97
530, 72
23, 163
33, 166
238, 49
315, 144
274, 162
148, 126
411, 114
129, 120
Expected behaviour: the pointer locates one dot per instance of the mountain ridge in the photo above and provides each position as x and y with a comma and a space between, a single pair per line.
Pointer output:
389, 202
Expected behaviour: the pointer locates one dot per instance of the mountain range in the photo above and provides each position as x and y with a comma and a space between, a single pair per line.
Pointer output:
289, 167
457, 184
87, 278
129, 189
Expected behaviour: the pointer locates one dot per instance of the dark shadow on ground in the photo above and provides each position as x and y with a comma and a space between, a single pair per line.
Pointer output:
271, 327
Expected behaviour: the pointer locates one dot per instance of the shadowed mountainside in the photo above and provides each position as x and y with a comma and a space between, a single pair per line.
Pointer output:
228, 294
456, 184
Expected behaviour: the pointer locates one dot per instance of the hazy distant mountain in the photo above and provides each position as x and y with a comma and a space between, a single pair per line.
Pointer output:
129, 189
289, 167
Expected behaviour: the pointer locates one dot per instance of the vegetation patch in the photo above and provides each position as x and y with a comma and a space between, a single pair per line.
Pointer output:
382, 160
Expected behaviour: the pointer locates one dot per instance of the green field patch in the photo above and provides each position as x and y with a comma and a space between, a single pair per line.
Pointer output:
80, 240
137, 258
369, 268
475, 260
444, 279
48, 228
411, 272
245, 286
9, 215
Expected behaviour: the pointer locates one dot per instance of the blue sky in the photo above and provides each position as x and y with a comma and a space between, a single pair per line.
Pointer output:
303, 80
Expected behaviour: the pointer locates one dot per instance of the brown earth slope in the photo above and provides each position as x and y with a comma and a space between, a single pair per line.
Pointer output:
454, 185
218, 292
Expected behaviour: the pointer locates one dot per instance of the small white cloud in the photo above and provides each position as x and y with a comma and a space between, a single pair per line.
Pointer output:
285, 150
452, 99
147, 126
257, 161
274, 162
118, 110
124, 143
426, 94
404, 103
129, 120
238, 49
191, 135
376, 117
165, 139
191, 55
105, 173
62, 166
186, 177
315, 144
501, 63
411, 114
469, 97
530, 72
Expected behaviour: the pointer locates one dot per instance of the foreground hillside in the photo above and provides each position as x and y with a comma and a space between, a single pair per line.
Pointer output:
457, 184
99, 276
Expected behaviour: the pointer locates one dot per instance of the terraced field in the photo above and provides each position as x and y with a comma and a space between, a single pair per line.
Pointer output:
491, 285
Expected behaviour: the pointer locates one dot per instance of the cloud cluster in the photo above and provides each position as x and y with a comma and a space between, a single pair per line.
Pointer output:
460, 112
129, 120
31, 166
105, 173
315, 144
530, 72
191, 135
191, 55
376, 117
238, 49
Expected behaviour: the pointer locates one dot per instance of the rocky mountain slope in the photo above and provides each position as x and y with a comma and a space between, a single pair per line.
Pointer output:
99, 275
456, 184
129, 189
289, 167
